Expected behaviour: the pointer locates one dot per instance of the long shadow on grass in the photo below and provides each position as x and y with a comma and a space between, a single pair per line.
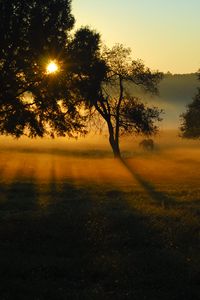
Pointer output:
86, 244
159, 197
18, 195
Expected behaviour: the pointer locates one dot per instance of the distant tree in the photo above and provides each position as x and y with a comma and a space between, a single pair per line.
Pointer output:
31, 101
190, 120
104, 88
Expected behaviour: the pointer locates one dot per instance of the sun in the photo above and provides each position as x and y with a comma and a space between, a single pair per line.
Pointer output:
52, 67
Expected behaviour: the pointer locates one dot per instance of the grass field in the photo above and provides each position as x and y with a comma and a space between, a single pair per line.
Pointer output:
77, 224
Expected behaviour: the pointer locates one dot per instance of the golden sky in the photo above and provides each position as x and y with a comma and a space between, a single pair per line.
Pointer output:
163, 33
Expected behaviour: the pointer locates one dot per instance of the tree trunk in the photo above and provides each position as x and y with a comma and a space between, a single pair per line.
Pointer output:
114, 134
113, 139
115, 146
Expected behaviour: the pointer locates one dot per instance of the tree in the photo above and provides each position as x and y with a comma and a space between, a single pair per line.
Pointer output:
190, 120
35, 103
104, 87
31, 101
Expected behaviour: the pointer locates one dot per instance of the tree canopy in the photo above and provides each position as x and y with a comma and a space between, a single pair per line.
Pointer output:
190, 120
104, 88
35, 103
31, 101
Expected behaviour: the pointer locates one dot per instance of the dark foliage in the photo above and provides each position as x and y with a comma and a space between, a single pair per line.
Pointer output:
31, 101
105, 90
138, 118
190, 120
87, 64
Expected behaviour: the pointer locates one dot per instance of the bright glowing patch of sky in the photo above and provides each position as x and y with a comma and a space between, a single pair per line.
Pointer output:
165, 34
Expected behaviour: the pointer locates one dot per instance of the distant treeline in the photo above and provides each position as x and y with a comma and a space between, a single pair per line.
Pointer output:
175, 92
178, 88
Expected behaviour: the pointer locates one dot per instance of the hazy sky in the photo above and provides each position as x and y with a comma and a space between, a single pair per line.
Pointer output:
165, 34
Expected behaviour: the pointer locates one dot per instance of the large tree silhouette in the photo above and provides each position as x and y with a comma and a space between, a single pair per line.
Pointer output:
31, 101
190, 120
35, 103
104, 88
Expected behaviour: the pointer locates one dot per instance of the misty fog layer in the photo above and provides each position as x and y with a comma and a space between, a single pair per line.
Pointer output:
90, 159
175, 92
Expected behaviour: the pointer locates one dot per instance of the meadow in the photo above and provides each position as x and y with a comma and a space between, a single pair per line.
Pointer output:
77, 224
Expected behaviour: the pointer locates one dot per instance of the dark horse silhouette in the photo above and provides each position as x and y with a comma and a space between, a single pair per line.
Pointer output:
147, 144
